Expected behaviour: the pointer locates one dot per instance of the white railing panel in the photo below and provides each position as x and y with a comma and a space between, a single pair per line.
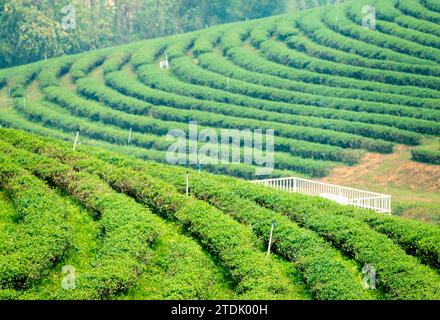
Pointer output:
344, 195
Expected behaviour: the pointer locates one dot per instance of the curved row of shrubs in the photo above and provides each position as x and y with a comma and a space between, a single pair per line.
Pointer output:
255, 275
349, 229
387, 11
244, 60
41, 236
320, 106
415, 8
120, 263
15, 120
349, 28
311, 25
118, 101
426, 156
364, 89
399, 274
158, 80
287, 131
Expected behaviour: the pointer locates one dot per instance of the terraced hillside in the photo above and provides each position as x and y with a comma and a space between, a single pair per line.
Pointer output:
124, 228
329, 88
333, 91
338, 96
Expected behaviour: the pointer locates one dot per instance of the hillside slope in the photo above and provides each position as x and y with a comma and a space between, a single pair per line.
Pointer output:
90, 224
333, 91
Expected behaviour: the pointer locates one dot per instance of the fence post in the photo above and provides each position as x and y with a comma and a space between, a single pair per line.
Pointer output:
129, 135
187, 183
270, 238
76, 140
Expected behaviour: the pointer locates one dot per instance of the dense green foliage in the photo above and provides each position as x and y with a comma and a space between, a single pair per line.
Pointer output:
308, 230
427, 156
330, 89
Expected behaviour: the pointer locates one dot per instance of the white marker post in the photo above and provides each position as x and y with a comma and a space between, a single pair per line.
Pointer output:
76, 141
24, 102
129, 135
187, 184
270, 238
229, 81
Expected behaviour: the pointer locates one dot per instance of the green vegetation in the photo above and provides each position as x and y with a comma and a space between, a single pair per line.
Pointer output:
427, 156
309, 231
347, 104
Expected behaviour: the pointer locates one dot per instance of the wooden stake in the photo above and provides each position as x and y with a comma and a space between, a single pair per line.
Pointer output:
76, 141
187, 184
129, 135
270, 238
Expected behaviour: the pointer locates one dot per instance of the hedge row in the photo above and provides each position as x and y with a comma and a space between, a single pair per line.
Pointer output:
180, 47
158, 80
419, 38
99, 92
410, 35
415, 8
206, 41
135, 89
255, 275
120, 102
419, 239
49, 75
95, 112
398, 274
20, 77
116, 60
287, 78
281, 130
194, 274
84, 64
432, 5
363, 89
41, 237
118, 262
262, 32
426, 156
330, 33
348, 25
96, 130
13, 120
278, 52
345, 227
326, 274
387, 11
234, 37
350, 28
312, 25
319, 106
149, 52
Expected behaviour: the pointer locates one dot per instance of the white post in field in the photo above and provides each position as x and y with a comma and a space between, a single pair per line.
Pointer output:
187, 184
76, 141
270, 239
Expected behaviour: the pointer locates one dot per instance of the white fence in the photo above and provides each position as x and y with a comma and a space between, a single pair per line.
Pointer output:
343, 195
